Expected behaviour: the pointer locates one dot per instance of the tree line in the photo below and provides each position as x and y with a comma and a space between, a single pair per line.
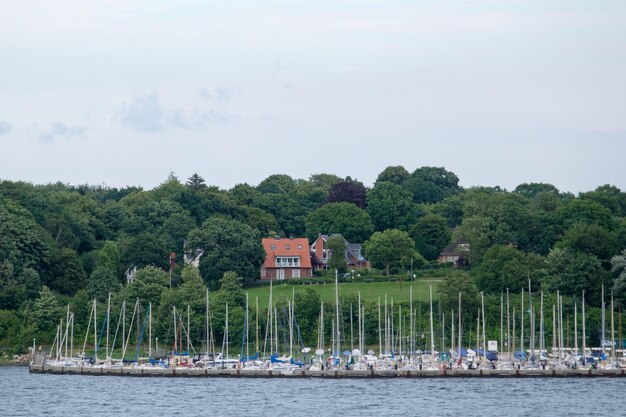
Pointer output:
63, 243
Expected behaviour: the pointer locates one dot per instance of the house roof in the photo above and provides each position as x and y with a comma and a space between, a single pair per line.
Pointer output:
286, 247
453, 248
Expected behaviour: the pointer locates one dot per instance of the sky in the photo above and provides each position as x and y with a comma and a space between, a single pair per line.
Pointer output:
500, 92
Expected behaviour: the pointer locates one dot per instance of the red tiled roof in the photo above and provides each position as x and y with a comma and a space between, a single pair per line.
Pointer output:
280, 249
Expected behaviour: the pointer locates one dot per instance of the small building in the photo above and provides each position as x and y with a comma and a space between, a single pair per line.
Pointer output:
286, 258
354, 256
456, 253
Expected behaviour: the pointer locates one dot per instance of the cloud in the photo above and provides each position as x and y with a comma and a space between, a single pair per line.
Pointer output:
58, 129
142, 113
146, 114
217, 94
5, 128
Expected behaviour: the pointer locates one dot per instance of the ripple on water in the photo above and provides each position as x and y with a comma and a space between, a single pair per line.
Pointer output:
23, 394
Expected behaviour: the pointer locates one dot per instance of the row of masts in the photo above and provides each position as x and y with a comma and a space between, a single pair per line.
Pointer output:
393, 338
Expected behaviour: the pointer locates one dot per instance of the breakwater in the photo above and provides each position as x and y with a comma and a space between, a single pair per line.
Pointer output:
334, 374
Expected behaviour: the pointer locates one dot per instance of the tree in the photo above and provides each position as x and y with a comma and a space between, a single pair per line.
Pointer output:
343, 218
148, 286
276, 184
228, 245
195, 182
144, 249
289, 213
608, 196
431, 184
231, 293
47, 310
505, 267
347, 191
572, 272
306, 311
589, 238
431, 235
260, 220
390, 206
337, 246
449, 290
618, 267
22, 240
66, 272
105, 278
393, 245
531, 190
393, 174
324, 181
584, 211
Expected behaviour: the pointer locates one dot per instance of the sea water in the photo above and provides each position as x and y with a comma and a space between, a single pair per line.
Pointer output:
24, 394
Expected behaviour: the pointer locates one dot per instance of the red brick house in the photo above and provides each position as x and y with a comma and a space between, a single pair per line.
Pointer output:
286, 258
456, 253
354, 257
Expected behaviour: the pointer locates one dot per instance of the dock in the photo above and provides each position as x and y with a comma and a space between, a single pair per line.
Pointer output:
141, 371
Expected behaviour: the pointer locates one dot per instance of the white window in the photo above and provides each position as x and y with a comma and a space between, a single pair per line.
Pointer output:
295, 273
280, 274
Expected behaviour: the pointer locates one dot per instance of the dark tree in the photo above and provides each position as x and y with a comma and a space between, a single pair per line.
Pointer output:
349, 192
196, 182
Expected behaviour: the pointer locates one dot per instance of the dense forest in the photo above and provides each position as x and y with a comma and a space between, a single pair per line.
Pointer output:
67, 245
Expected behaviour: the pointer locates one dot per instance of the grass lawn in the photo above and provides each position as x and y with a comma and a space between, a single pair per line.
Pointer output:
399, 291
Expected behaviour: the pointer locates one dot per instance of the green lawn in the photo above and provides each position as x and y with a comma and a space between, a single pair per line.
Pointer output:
399, 291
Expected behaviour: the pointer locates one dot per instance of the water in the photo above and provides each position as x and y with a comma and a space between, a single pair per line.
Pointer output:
24, 394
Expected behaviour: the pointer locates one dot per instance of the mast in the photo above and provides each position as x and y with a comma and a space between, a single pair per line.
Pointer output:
432, 332
123, 326
460, 334
584, 334
412, 340
108, 316
521, 340
612, 331
175, 331
560, 327
247, 331
542, 340
575, 329
482, 302
554, 320
380, 332
360, 326
508, 324
452, 347
71, 340
386, 327
256, 346
226, 331
351, 330
292, 319
150, 330
501, 320
532, 320
602, 334
95, 332
67, 325
337, 310
206, 322
188, 329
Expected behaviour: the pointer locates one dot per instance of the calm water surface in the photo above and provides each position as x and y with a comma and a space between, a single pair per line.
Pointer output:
23, 394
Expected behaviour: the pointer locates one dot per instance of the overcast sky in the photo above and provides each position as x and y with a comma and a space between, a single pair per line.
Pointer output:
500, 92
